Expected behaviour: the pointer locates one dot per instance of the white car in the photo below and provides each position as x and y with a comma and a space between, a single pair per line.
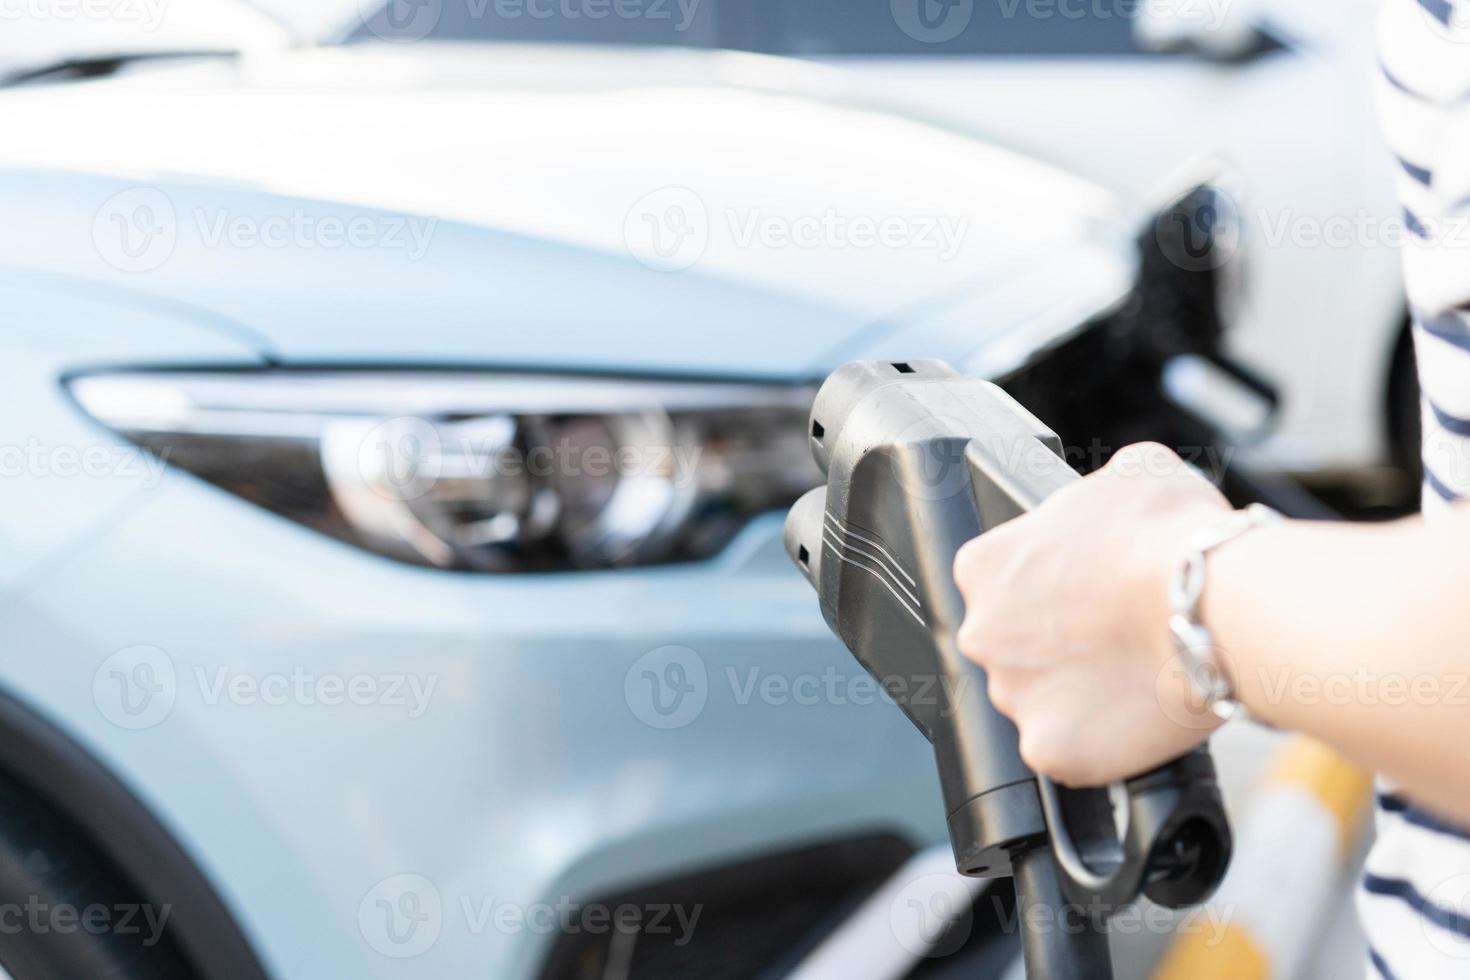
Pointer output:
319, 681
1281, 92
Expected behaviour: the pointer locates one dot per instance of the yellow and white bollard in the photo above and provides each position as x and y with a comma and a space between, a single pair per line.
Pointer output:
1292, 849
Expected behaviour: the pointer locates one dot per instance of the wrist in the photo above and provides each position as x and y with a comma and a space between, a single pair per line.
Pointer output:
1207, 665
1198, 679
1232, 607
1162, 553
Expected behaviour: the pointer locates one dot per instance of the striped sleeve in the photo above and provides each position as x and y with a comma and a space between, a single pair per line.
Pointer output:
1414, 901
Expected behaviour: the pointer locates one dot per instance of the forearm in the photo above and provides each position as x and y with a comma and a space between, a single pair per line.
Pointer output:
1359, 635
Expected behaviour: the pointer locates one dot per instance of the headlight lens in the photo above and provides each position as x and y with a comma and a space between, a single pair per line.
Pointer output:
504, 473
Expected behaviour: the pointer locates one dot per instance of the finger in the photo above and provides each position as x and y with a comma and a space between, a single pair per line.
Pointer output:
965, 562
1056, 753
1001, 694
1144, 459
970, 638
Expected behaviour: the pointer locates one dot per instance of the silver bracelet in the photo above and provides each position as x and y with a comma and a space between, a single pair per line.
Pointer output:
1194, 645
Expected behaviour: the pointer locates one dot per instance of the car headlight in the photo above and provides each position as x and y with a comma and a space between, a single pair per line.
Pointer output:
495, 472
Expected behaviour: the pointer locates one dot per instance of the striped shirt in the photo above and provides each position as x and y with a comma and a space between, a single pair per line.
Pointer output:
1414, 902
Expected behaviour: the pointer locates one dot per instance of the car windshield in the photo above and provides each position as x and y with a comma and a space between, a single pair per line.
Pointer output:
810, 28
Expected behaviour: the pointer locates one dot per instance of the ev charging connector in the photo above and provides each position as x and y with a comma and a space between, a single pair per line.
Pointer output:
920, 459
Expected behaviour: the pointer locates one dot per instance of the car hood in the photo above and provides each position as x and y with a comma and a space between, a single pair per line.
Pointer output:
439, 203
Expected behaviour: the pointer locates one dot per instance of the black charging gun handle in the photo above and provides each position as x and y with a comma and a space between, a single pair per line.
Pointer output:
1174, 849
1176, 844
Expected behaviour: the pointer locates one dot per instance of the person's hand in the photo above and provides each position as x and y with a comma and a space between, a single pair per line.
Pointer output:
1067, 610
